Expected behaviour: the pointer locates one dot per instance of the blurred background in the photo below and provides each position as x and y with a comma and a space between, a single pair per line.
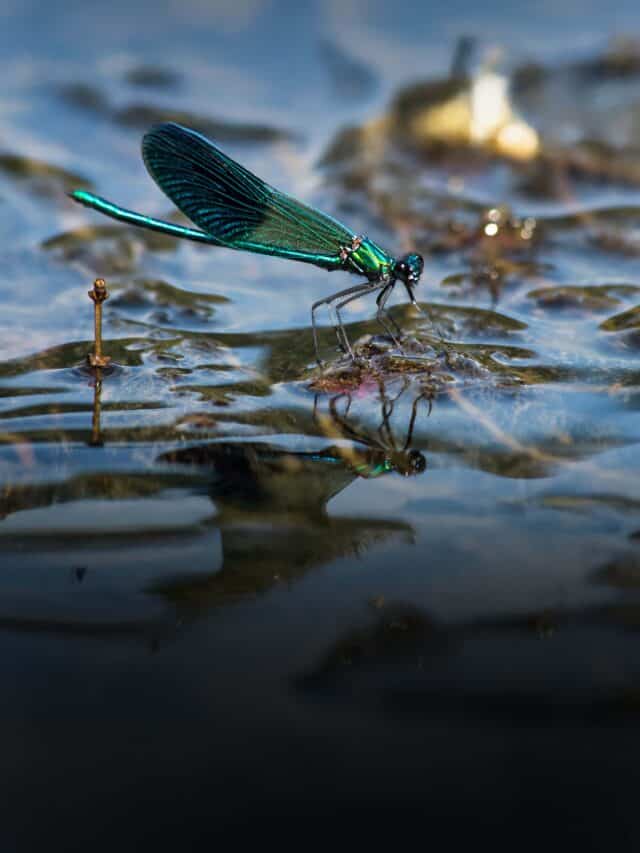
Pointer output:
238, 592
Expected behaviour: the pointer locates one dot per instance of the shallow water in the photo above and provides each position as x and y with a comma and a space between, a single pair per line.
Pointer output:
234, 587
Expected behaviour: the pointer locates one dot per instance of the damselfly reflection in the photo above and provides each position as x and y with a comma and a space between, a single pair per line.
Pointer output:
384, 452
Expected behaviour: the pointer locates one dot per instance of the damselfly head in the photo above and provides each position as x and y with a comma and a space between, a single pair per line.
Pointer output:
410, 463
409, 268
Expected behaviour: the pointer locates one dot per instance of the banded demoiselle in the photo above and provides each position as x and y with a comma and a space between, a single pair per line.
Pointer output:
237, 210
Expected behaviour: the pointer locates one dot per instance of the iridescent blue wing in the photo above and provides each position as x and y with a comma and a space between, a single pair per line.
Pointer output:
235, 207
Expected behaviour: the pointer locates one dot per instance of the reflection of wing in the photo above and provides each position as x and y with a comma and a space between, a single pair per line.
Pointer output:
261, 475
271, 513
233, 205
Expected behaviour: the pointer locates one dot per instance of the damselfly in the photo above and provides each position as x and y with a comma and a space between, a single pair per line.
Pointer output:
237, 210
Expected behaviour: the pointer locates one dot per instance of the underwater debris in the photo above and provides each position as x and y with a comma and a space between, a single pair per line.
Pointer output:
43, 178
153, 77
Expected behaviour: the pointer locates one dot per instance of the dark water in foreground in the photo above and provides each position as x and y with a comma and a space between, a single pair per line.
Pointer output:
238, 593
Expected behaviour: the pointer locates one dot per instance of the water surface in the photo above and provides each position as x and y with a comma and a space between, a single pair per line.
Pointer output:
237, 589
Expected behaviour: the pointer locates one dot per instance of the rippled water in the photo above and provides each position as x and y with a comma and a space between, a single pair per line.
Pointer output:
235, 587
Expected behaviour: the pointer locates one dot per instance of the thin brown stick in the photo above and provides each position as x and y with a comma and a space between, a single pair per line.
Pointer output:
96, 432
98, 295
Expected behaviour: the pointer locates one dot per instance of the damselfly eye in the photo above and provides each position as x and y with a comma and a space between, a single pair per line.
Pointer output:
413, 462
417, 462
409, 268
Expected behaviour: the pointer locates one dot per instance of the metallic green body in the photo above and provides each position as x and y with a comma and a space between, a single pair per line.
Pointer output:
371, 261
133, 218
233, 208
368, 259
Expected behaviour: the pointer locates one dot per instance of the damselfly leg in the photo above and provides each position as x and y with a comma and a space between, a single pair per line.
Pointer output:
357, 290
385, 319
340, 305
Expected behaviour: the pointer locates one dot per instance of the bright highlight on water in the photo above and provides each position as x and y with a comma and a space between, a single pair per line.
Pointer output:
237, 210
